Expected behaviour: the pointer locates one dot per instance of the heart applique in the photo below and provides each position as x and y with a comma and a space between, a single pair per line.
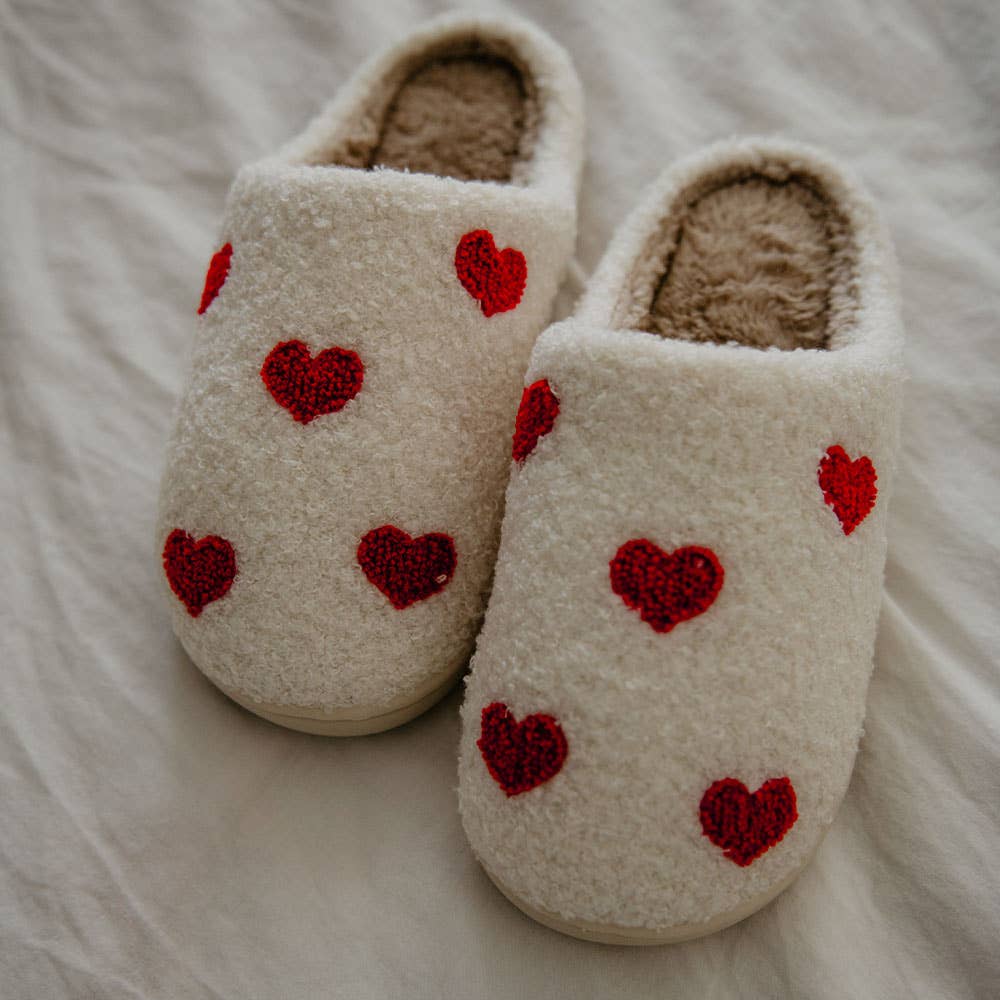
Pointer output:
746, 824
215, 277
666, 588
495, 279
848, 487
309, 387
198, 572
536, 416
520, 755
404, 568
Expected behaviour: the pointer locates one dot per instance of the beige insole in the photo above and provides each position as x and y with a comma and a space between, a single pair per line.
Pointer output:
754, 261
460, 116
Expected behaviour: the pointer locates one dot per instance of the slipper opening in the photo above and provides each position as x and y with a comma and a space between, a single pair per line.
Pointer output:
760, 257
465, 107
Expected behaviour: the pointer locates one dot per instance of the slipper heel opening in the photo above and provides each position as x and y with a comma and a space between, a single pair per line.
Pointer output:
760, 257
465, 108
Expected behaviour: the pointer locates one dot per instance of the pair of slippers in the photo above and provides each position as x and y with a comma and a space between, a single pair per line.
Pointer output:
668, 688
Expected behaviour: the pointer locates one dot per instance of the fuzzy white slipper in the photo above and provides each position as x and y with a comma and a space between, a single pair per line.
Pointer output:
330, 508
668, 692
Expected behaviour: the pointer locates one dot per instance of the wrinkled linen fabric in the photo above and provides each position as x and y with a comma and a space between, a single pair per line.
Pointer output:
155, 839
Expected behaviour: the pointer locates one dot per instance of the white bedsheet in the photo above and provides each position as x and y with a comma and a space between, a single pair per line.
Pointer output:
157, 841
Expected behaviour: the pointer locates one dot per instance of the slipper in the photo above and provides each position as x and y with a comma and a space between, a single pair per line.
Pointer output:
668, 692
330, 507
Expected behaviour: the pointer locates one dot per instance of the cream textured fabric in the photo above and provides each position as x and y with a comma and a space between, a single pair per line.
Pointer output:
158, 841
364, 260
686, 444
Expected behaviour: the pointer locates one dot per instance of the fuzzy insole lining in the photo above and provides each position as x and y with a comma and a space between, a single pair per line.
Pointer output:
754, 262
458, 116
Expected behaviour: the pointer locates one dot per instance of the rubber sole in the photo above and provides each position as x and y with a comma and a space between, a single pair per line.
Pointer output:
359, 720
643, 936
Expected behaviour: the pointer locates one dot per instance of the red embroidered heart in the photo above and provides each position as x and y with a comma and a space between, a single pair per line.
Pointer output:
406, 569
536, 416
215, 278
309, 387
746, 825
494, 279
520, 755
198, 572
848, 487
666, 588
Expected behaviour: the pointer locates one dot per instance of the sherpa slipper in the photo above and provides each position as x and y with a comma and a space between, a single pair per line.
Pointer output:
330, 509
668, 692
